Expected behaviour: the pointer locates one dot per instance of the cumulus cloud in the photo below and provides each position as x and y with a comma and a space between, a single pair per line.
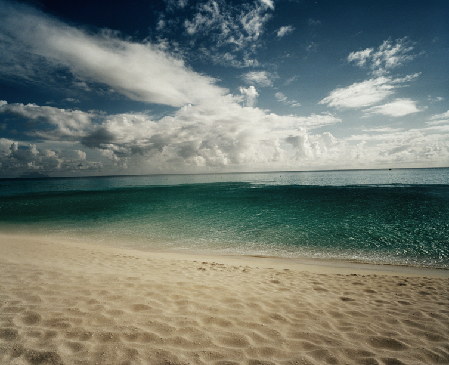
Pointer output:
397, 108
401, 147
17, 158
195, 138
250, 95
315, 147
140, 71
51, 123
216, 137
226, 135
285, 30
386, 57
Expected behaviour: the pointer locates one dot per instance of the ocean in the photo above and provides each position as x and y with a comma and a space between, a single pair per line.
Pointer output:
398, 216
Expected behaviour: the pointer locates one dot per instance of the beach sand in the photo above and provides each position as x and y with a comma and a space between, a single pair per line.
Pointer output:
69, 302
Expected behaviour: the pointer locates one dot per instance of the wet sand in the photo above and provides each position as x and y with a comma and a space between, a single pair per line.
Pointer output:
68, 302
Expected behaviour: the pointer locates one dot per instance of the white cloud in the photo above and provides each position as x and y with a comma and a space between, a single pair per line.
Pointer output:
415, 147
375, 90
282, 31
366, 93
280, 96
443, 116
268, 3
51, 122
195, 138
140, 71
253, 23
250, 95
283, 99
439, 119
382, 130
224, 136
360, 57
206, 18
261, 78
228, 34
81, 155
18, 158
388, 56
71, 100
432, 99
238, 26
319, 120
360, 94
320, 147
397, 108
440, 127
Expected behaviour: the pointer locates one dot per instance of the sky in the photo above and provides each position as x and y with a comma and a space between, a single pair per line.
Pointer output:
213, 86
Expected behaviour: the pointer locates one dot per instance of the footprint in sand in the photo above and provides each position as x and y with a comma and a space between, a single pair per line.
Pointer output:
387, 343
31, 318
140, 307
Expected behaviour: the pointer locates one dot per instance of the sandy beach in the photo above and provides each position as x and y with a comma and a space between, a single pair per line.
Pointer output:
69, 302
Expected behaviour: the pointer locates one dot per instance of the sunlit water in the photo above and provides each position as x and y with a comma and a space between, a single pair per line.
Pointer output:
377, 216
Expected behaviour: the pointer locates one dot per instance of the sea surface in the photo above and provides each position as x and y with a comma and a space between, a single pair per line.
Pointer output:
373, 216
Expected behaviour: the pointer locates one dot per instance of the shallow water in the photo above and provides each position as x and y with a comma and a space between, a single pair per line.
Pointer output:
376, 216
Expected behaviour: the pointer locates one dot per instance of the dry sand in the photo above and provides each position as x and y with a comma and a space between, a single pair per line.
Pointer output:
66, 302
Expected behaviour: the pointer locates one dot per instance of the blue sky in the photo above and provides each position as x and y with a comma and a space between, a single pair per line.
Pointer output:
181, 86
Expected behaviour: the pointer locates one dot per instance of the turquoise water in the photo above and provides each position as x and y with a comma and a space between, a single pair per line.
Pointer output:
376, 216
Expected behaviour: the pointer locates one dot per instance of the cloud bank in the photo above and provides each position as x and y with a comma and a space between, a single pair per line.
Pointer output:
200, 137
205, 139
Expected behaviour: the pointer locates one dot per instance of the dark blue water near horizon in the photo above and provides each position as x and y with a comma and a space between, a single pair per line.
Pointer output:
375, 216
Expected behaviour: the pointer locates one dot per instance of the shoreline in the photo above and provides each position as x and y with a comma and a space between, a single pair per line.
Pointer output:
63, 302
334, 265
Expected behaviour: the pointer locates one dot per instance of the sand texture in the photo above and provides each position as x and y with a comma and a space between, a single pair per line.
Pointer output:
64, 302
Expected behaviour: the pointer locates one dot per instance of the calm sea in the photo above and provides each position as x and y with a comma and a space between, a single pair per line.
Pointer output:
375, 216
